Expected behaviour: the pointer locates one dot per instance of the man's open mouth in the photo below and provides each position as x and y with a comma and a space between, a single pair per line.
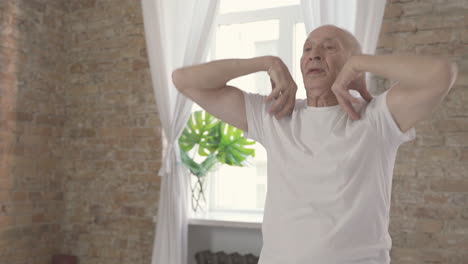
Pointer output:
315, 71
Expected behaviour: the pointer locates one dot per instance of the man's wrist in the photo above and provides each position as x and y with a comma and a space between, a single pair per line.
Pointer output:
267, 61
358, 62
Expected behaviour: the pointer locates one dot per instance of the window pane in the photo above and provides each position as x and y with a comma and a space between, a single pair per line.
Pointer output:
239, 188
244, 188
299, 39
248, 5
248, 40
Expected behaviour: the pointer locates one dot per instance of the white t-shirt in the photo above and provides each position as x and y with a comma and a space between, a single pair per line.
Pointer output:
329, 181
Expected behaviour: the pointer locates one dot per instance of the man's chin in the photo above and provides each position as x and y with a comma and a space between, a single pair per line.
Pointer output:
318, 84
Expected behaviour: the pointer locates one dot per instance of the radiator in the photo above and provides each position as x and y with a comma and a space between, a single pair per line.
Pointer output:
208, 257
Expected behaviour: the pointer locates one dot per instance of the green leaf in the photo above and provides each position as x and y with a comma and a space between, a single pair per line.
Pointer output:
201, 130
231, 148
216, 140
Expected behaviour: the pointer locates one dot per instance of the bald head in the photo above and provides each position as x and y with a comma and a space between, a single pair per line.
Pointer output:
328, 48
350, 42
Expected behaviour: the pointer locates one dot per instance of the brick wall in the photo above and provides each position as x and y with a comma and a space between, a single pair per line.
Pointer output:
429, 213
113, 135
79, 132
32, 117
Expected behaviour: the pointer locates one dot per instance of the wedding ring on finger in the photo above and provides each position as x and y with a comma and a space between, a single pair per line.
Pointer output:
280, 93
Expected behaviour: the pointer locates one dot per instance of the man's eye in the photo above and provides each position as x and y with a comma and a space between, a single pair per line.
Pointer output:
306, 49
330, 47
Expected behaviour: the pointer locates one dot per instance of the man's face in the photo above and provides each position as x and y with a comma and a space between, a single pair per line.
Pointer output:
324, 54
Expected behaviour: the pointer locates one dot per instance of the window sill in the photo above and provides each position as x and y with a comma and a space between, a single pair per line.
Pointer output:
239, 220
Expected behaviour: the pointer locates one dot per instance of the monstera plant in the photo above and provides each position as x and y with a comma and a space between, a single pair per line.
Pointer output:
215, 142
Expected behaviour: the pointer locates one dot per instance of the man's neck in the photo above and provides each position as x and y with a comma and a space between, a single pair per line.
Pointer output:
317, 98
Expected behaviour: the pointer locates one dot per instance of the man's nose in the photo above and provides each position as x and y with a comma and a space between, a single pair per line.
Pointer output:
315, 57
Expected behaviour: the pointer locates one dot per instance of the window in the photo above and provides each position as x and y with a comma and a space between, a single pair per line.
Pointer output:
247, 29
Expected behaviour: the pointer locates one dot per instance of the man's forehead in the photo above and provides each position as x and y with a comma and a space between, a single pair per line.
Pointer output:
326, 33
312, 39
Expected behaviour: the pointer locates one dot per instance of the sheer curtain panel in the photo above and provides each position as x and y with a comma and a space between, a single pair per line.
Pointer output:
177, 34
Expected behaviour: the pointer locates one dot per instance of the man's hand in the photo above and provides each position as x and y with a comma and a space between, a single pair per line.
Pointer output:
283, 89
350, 78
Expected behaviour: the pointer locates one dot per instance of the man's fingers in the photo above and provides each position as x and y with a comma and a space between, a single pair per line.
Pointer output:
273, 95
273, 86
365, 94
288, 106
361, 87
350, 97
347, 106
286, 109
280, 102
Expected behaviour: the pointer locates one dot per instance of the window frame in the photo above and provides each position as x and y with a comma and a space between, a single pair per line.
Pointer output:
288, 17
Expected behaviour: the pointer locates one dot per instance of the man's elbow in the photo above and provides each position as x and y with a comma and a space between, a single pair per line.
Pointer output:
178, 79
453, 73
448, 71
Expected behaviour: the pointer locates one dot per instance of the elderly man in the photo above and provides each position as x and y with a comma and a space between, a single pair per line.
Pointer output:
330, 156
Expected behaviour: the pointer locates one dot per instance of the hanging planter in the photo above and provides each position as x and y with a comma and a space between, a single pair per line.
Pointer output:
220, 143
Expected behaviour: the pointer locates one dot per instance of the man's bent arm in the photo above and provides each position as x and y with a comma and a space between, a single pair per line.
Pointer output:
423, 83
216, 74
206, 85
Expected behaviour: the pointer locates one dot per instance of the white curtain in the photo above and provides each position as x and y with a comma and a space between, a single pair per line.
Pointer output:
363, 18
177, 34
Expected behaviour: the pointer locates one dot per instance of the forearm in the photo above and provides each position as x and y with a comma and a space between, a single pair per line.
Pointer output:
411, 71
216, 74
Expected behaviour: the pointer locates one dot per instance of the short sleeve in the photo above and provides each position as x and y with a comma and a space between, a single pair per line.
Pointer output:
382, 119
255, 111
